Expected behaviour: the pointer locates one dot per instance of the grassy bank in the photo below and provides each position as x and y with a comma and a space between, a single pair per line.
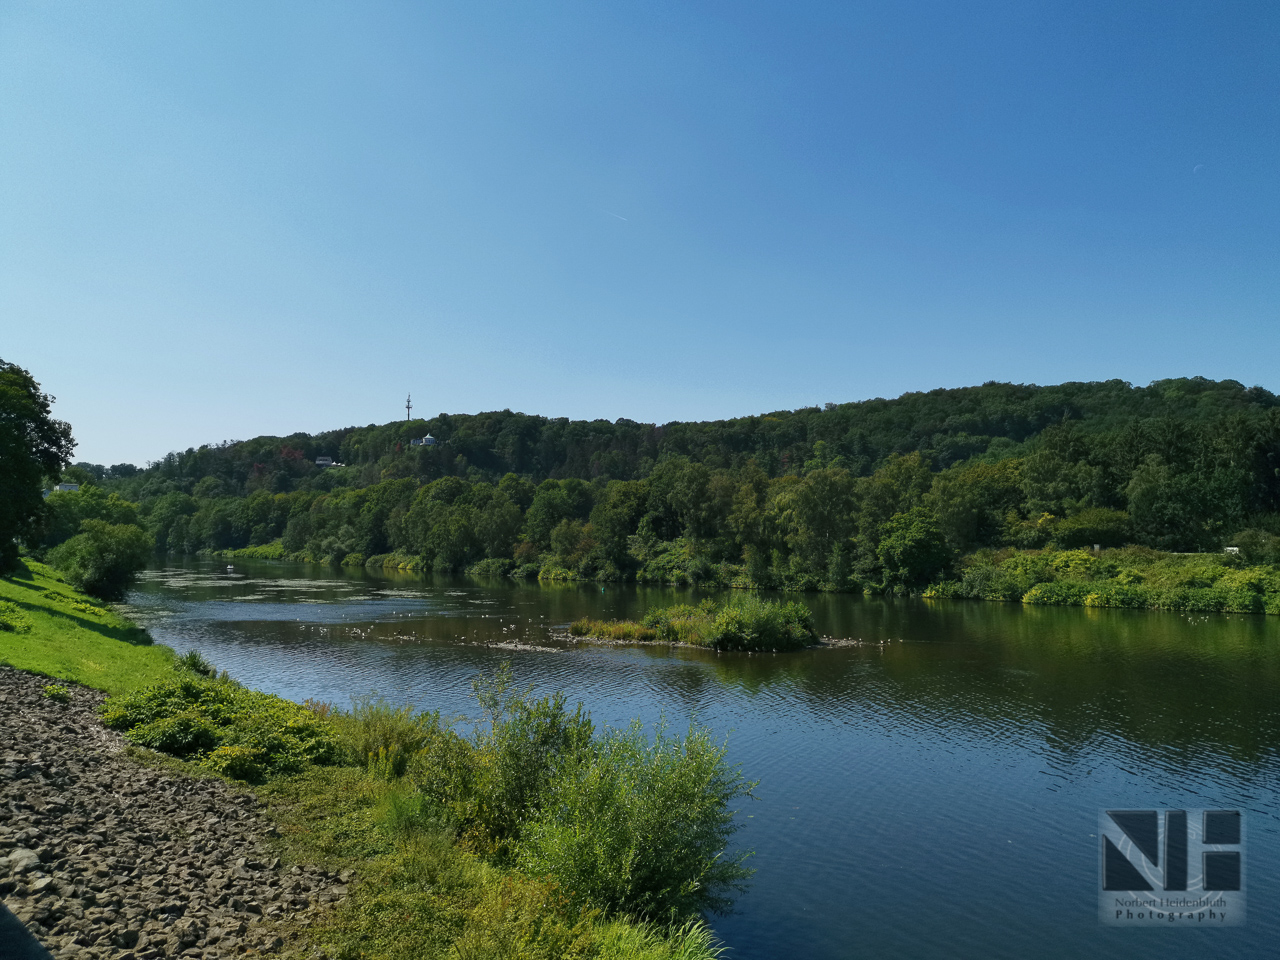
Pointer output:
533, 836
47, 627
530, 836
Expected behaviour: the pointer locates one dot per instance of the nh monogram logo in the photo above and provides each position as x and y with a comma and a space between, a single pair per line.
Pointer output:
1171, 866
1219, 869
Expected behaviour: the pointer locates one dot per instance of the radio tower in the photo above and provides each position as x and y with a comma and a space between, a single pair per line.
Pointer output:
408, 407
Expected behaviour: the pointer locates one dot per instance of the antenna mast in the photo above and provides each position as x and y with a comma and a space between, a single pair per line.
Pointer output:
408, 407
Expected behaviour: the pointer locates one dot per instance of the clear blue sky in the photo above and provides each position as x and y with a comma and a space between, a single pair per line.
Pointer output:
219, 220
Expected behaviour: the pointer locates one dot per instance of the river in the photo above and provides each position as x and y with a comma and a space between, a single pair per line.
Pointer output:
933, 792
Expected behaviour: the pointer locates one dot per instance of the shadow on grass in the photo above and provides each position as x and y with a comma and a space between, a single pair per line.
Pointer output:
21, 578
125, 634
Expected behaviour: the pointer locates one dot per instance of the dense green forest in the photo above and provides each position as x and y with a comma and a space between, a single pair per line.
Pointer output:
885, 493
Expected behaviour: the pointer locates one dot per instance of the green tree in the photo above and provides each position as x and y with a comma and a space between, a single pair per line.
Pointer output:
67, 509
33, 446
972, 500
913, 550
104, 558
816, 517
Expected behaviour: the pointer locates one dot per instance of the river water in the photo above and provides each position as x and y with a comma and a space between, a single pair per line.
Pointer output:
934, 792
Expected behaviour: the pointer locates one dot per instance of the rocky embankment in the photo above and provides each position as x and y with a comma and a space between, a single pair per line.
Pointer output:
101, 857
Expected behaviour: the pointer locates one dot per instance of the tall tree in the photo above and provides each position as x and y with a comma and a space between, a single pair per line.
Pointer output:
32, 446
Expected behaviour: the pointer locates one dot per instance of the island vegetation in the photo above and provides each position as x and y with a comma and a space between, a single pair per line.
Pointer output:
738, 623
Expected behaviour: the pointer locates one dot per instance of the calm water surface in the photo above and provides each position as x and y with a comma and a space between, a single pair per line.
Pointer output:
935, 794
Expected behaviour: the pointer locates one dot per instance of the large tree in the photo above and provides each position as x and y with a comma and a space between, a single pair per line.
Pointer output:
33, 446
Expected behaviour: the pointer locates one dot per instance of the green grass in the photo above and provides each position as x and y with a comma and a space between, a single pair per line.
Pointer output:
626, 631
418, 894
66, 635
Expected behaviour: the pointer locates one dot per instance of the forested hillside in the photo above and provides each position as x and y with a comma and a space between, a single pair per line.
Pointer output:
889, 492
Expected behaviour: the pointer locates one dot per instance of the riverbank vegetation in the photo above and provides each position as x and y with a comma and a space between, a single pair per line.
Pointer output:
530, 835
527, 834
743, 622
1133, 577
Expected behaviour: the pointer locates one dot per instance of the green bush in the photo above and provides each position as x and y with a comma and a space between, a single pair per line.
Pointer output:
749, 623
193, 716
56, 693
405, 811
104, 558
181, 734
1109, 528
743, 622
1118, 595
492, 567
384, 737
518, 753
13, 618
193, 662
639, 827
1060, 593
682, 623
237, 762
1257, 546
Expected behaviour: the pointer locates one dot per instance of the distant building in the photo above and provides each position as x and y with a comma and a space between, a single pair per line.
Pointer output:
427, 441
1234, 551
63, 488
324, 461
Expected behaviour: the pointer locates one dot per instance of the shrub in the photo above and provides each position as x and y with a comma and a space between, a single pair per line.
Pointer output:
181, 734
945, 590
989, 582
1194, 599
193, 662
638, 826
743, 622
384, 737
13, 618
1060, 592
493, 567
1025, 570
104, 558
57, 693
1257, 546
518, 754
1109, 528
405, 811
749, 623
1118, 595
192, 716
682, 623
1074, 565
236, 761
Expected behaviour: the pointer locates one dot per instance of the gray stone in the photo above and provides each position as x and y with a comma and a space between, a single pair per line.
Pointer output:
21, 860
